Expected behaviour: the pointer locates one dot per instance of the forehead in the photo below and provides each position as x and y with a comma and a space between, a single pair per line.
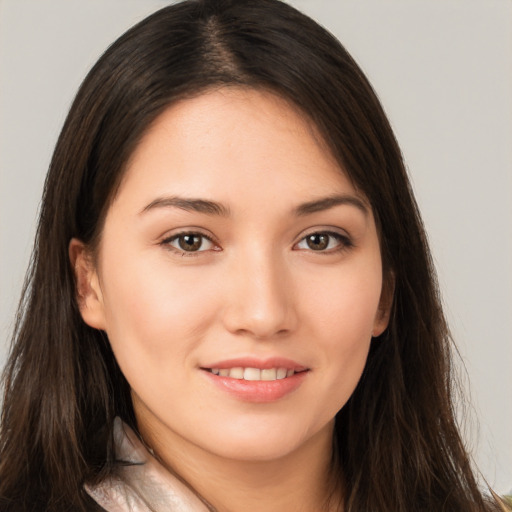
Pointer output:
233, 139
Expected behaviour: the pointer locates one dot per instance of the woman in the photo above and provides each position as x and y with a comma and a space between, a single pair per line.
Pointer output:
232, 304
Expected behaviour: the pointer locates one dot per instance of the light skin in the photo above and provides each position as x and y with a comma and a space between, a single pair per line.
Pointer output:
235, 234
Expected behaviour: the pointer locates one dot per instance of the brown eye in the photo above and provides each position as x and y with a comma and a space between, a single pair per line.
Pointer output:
324, 241
317, 241
190, 242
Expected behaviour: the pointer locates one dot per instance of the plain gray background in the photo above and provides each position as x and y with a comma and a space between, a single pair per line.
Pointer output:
443, 72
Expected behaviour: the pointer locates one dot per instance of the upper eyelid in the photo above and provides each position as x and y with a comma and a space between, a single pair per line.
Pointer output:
328, 230
187, 231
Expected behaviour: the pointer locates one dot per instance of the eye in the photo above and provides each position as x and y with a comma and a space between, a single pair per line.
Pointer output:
324, 241
190, 242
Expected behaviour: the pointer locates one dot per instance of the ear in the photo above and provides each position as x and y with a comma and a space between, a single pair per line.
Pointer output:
386, 303
88, 290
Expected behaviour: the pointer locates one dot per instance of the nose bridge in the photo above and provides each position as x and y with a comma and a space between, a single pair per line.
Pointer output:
260, 302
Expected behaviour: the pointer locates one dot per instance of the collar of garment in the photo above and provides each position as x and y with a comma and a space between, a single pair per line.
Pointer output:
142, 485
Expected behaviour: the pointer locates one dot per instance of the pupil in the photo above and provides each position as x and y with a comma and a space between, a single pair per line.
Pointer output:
190, 242
318, 241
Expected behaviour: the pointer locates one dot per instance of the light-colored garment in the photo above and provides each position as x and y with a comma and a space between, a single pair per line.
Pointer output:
144, 485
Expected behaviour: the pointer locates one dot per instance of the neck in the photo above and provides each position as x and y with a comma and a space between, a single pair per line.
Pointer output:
298, 481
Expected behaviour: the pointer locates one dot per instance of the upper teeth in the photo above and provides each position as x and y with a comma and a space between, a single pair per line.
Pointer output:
253, 373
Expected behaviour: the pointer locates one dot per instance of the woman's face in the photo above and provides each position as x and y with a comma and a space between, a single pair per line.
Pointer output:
238, 278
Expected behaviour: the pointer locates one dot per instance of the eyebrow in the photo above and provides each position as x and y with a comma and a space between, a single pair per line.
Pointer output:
326, 203
213, 208
188, 204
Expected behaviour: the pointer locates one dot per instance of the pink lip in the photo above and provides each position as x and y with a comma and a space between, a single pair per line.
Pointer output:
258, 391
251, 362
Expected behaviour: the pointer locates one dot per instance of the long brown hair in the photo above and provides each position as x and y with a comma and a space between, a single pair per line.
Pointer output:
396, 444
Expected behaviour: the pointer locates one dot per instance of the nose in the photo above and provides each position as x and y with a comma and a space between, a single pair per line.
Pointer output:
260, 302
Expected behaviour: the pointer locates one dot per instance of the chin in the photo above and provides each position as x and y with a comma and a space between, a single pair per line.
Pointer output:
266, 442
256, 450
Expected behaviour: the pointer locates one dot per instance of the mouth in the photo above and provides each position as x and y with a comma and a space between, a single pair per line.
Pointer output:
251, 379
256, 374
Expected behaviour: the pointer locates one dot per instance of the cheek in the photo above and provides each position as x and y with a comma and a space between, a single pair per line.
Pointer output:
154, 314
346, 302
342, 315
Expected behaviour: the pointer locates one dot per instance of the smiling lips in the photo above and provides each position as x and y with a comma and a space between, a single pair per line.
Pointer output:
254, 374
253, 381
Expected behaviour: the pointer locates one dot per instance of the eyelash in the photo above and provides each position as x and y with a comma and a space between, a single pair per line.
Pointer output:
343, 242
167, 242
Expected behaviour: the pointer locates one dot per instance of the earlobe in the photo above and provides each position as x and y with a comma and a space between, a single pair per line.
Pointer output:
88, 291
385, 306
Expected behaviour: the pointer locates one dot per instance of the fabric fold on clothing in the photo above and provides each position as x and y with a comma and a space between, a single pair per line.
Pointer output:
143, 484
